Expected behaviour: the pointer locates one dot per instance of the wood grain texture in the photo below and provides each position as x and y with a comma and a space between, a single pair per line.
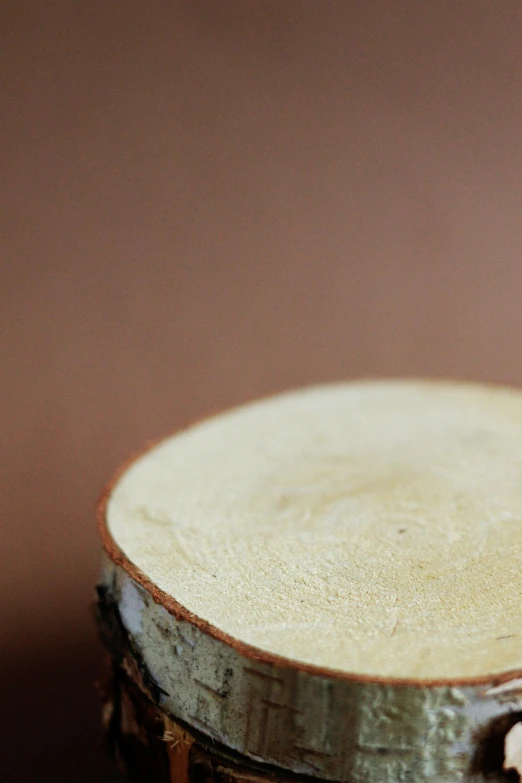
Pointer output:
373, 528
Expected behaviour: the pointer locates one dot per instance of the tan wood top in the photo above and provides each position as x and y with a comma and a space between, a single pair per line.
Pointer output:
374, 528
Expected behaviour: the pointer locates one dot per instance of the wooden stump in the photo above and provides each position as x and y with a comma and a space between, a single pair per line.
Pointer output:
325, 584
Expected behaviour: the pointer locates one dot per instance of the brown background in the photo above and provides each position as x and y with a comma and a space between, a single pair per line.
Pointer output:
208, 201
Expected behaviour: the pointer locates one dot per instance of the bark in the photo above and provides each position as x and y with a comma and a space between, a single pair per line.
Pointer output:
437, 734
147, 744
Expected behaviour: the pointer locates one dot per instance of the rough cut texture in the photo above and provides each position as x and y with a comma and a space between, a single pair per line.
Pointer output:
373, 528
328, 581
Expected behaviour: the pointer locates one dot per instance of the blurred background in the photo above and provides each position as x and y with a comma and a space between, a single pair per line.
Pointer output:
208, 201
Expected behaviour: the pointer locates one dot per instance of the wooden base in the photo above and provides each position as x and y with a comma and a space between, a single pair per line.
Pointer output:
326, 584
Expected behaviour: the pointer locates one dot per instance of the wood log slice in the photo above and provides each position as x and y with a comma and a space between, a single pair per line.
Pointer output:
325, 584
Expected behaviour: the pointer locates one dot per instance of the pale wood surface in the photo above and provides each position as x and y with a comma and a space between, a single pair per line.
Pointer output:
328, 580
372, 528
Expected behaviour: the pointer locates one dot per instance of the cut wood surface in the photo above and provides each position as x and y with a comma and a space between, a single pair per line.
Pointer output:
370, 528
330, 580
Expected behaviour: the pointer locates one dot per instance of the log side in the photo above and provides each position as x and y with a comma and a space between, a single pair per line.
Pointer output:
194, 703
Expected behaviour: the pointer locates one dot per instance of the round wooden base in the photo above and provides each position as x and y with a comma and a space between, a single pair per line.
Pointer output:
323, 584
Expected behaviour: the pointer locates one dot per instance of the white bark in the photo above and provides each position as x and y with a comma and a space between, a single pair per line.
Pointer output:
331, 727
